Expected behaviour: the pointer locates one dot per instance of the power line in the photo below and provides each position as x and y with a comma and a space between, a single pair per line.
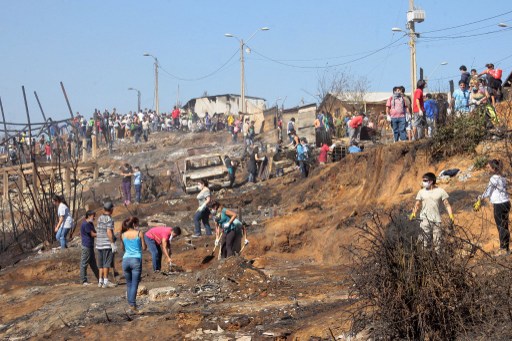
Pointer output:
334, 65
466, 36
470, 23
202, 77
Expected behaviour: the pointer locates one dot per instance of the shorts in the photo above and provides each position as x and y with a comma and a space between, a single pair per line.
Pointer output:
105, 258
417, 120
408, 125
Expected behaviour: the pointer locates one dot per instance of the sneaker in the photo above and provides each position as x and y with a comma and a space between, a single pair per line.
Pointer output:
86, 284
134, 309
502, 252
196, 235
109, 285
100, 284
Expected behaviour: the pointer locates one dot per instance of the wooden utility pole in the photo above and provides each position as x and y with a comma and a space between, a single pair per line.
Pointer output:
412, 45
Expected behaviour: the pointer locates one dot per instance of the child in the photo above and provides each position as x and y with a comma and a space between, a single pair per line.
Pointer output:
48, 152
88, 233
137, 182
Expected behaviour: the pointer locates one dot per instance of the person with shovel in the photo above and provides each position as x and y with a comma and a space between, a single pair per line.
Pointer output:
231, 235
158, 239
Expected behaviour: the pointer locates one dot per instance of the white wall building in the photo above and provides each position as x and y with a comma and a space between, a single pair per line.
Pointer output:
227, 103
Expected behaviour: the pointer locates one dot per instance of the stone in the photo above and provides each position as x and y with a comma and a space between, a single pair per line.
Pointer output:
161, 294
142, 290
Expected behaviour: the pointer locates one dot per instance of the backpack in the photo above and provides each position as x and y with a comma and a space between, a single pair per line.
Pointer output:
393, 103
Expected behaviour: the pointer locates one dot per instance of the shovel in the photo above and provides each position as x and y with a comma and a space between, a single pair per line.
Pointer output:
209, 258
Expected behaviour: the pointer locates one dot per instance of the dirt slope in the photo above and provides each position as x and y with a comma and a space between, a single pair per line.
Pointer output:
290, 281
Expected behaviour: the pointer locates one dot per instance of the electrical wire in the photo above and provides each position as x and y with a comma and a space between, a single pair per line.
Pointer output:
470, 23
334, 65
466, 36
202, 77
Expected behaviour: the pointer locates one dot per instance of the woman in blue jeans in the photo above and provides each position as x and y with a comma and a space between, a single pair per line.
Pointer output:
65, 222
202, 213
133, 244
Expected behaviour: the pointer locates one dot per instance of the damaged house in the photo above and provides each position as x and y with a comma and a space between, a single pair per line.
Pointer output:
228, 103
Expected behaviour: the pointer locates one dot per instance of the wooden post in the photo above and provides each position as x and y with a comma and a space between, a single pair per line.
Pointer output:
96, 172
94, 147
35, 179
67, 180
6, 185
84, 150
22, 181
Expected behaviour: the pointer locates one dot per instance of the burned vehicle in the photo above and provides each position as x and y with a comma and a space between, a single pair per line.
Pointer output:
210, 167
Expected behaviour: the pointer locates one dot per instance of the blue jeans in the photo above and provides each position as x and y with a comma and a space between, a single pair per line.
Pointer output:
156, 253
61, 236
137, 192
202, 216
132, 268
398, 126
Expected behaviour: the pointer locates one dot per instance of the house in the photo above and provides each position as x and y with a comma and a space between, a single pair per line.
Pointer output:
340, 104
305, 116
228, 103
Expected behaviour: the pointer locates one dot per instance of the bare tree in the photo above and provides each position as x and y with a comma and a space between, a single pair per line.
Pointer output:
335, 86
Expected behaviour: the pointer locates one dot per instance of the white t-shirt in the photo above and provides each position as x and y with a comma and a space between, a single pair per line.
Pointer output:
431, 201
63, 211
496, 190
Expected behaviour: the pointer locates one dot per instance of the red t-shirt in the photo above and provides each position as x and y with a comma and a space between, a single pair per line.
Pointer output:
175, 113
356, 122
418, 95
323, 153
159, 233
48, 149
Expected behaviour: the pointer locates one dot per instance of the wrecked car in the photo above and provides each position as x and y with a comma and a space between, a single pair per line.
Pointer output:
210, 167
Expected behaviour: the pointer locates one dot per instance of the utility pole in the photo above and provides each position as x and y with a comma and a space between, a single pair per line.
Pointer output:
412, 45
242, 107
138, 101
178, 97
156, 81
242, 76
156, 88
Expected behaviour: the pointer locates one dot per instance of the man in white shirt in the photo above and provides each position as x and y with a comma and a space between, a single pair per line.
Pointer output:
430, 198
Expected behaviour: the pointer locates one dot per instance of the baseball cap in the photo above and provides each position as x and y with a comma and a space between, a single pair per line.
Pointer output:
108, 206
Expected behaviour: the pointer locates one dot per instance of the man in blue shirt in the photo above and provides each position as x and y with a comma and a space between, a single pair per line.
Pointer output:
88, 233
461, 99
432, 114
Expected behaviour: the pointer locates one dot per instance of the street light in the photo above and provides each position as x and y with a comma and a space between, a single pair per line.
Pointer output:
156, 81
138, 98
435, 69
414, 16
242, 70
502, 24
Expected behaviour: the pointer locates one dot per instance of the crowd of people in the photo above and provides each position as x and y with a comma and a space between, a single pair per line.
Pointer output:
419, 117
99, 235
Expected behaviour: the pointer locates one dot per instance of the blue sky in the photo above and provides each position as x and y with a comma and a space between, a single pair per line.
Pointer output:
96, 48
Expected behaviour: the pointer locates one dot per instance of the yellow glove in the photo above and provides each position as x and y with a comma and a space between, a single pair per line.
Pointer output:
412, 216
477, 205
452, 218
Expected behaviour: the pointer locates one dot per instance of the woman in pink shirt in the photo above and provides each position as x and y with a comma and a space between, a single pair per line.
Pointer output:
158, 239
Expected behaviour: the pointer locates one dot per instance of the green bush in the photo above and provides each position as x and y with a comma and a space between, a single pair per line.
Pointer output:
480, 162
459, 135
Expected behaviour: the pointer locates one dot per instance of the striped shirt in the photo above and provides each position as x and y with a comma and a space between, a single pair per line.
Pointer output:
105, 222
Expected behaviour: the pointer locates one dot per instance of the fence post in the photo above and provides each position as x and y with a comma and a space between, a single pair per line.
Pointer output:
6, 185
